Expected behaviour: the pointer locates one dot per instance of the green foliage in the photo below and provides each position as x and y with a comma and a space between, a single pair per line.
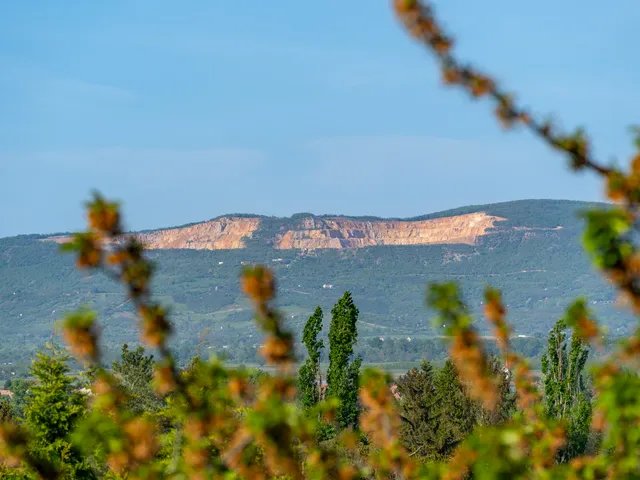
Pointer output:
437, 412
619, 401
420, 412
309, 375
606, 236
456, 412
22, 393
6, 410
256, 376
134, 370
343, 371
52, 413
565, 394
506, 405
453, 312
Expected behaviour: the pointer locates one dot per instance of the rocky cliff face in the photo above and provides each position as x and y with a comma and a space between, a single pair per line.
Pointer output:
220, 234
344, 233
312, 233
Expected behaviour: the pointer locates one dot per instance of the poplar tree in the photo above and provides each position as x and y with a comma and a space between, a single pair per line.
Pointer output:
309, 375
565, 394
344, 369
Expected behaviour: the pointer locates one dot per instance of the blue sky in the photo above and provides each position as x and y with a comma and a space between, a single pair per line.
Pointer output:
187, 110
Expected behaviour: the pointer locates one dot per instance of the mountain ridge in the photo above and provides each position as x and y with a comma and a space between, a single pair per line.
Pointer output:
426, 216
307, 231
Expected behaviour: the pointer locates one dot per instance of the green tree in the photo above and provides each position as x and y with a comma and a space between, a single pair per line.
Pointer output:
256, 376
349, 411
21, 390
565, 395
437, 412
506, 405
309, 375
135, 372
52, 413
87, 376
419, 411
344, 369
6, 410
457, 413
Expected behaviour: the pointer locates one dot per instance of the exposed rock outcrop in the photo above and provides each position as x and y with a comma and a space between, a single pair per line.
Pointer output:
220, 234
345, 233
310, 233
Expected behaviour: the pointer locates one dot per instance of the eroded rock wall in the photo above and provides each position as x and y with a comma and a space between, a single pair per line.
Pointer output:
317, 233
220, 234
345, 233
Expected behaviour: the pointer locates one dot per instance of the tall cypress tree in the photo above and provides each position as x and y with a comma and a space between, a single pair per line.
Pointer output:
565, 393
344, 369
309, 376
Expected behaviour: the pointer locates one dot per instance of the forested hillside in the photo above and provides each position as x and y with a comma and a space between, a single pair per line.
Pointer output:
534, 255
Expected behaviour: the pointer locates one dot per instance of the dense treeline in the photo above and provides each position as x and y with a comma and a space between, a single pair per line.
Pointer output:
373, 351
381, 350
435, 407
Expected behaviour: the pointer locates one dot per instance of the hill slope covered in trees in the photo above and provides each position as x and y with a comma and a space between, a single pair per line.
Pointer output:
530, 249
